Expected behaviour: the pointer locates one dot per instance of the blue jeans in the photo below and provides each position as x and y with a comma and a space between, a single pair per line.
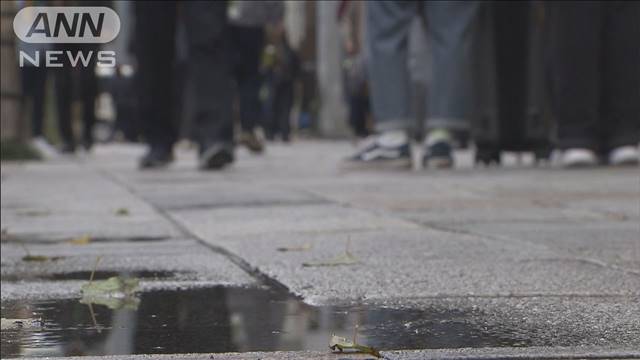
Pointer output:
450, 32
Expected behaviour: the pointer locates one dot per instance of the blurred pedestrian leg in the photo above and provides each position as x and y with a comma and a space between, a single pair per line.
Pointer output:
450, 33
282, 74
155, 51
77, 82
210, 81
450, 27
595, 74
34, 80
247, 43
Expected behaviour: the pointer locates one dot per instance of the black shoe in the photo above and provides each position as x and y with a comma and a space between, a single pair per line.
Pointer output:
439, 150
215, 156
383, 150
156, 157
87, 144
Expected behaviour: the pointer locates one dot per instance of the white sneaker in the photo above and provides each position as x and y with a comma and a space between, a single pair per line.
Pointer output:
624, 155
578, 157
43, 147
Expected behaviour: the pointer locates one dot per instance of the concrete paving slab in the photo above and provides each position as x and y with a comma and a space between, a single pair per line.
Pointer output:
544, 320
252, 221
220, 195
65, 200
612, 243
422, 263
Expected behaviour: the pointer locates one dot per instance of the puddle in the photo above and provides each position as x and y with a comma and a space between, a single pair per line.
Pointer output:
224, 319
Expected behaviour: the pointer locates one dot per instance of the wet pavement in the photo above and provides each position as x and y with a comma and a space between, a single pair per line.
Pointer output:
518, 261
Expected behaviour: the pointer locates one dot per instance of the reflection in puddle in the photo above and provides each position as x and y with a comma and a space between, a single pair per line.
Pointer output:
225, 319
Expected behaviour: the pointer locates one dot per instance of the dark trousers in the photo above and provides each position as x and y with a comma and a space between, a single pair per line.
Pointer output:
80, 82
280, 110
595, 72
246, 49
34, 80
208, 78
359, 112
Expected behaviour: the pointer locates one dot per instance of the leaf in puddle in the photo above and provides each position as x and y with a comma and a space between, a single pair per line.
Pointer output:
305, 247
82, 240
338, 343
15, 324
122, 212
115, 287
41, 258
129, 302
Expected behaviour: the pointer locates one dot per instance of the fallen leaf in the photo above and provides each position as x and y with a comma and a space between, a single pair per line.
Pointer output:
113, 287
341, 344
34, 213
41, 258
130, 302
115, 292
344, 259
122, 212
30, 257
82, 240
305, 247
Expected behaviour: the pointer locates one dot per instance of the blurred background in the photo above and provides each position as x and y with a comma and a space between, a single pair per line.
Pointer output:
304, 68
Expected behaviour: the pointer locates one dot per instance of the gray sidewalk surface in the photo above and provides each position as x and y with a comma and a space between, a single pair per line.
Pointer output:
536, 250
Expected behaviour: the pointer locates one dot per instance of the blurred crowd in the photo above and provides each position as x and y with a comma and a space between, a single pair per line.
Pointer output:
554, 78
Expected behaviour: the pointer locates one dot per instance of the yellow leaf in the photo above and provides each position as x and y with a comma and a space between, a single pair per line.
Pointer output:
82, 240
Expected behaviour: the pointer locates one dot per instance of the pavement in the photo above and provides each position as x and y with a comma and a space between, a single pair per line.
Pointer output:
549, 254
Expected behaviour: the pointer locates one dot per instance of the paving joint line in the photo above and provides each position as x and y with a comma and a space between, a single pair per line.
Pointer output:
254, 272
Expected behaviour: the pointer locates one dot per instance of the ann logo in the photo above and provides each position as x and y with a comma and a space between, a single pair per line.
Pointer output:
41, 25
66, 24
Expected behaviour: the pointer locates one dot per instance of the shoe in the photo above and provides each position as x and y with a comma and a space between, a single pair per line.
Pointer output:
87, 144
389, 148
438, 149
216, 156
578, 157
252, 141
624, 155
156, 157
44, 147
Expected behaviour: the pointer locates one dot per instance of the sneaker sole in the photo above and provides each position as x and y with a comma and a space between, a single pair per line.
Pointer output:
155, 165
580, 165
